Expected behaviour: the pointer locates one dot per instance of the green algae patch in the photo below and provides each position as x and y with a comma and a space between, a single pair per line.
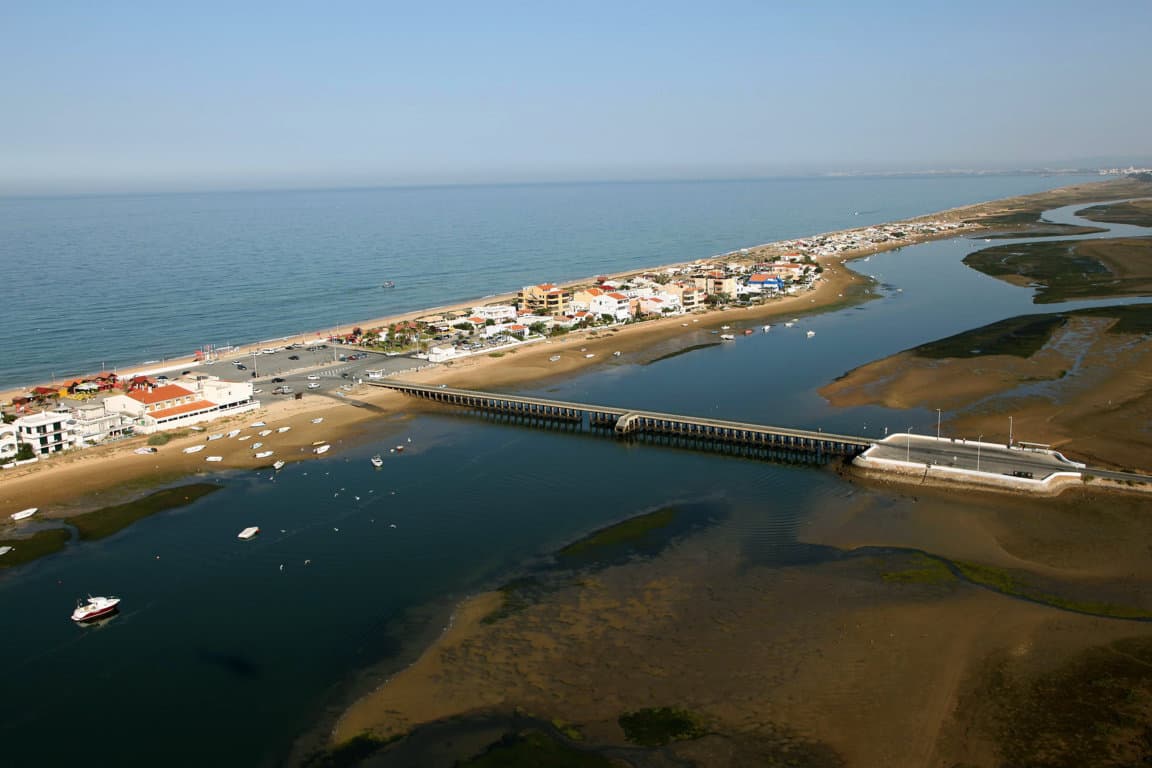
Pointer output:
921, 570
657, 726
1008, 583
104, 522
683, 351
630, 531
531, 749
1020, 336
1137, 212
350, 753
37, 545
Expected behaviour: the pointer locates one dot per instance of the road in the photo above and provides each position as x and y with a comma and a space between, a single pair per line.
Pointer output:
981, 457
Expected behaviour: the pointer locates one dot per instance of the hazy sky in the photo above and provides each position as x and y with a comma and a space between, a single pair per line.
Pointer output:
163, 95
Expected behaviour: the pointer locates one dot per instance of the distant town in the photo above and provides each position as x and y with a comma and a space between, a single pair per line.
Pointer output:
90, 410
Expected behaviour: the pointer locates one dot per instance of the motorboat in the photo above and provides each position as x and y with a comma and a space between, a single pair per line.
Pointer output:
216, 436
747, 331
727, 336
377, 461
233, 433
144, 450
244, 437
24, 514
248, 532
264, 454
94, 607
554, 358
278, 464
766, 328
283, 429
257, 424
5, 549
319, 442
616, 353
264, 432
257, 445
725, 327
322, 448
590, 355
811, 334
318, 420
399, 449
214, 458
193, 448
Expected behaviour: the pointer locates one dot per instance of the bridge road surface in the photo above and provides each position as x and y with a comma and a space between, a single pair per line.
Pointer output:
996, 458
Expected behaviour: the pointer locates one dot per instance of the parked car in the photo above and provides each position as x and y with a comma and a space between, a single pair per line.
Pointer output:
277, 380
293, 357
241, 367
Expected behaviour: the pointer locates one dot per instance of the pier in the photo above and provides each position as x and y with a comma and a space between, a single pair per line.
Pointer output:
663, 428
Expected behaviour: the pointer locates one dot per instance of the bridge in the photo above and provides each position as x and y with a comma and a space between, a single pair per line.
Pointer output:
676, 429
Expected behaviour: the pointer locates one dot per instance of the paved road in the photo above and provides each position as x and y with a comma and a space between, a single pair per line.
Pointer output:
982, 457
313, 365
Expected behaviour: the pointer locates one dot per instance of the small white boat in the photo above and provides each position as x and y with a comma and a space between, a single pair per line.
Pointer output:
554, 358
145, 450
377, 461
322, 448
399, 449
319, 442
318, 420
245, 437
264, 454
727, 336
725, 327
283, 429
196, 429
616, 353
216, 436
766, 328
24, 514
590, 354
5, 550
264, 432
248, 532
214, 458
811, 334
193, 449
233, 433
789, 324
278, 464
257, 445
94, 608
257, 424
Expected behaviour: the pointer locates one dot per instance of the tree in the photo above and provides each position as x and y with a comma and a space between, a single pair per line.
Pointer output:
24, 452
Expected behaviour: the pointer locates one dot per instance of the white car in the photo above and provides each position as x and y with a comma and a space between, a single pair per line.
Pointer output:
313, 377
314, 385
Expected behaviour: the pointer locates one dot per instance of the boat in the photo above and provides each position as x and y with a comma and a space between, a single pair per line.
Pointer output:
278, 464
245, 437
747, 331
24, 514
248, 532
283, 429
216, 436
725, 327
590, 354
264, 454
318, 420
727, 336
257, 424
214, 458
811, 334
264, 432
257, 445
377, 461
766, 328
399, 449
388, 284
193, 449
144, 450
319, 442
233, 433
789, 324
5, 550
94, 608
616, 353
322, 448
554, 358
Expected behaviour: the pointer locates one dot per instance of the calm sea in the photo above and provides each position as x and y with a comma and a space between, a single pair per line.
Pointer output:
100, 282
226, 651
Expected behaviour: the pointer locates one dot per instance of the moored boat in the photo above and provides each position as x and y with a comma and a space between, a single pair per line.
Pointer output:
24, 514
264, 454
6, 549
94, 608
727, 336
283, 429
322, 448
248, 532
318, 420
214, 458
377, 461
193, 448
278, 464
811, 334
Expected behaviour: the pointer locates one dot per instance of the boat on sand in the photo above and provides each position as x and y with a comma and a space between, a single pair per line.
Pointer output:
24, 514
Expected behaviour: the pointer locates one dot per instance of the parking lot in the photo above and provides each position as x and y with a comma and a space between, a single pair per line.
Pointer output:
316, 369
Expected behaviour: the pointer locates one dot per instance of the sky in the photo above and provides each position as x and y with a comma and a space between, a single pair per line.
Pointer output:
122, 96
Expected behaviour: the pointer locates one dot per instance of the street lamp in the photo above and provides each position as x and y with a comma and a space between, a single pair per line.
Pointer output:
978, 452
1009, 431
908, 445
937, 423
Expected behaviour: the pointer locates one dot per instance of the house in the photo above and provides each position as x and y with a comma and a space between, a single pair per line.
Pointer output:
614, 305
762, 283
716, 283
545, 299
8, 443
497, 313
47, 432
94, 423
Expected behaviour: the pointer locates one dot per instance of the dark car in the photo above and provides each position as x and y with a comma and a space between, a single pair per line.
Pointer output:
241, 367
277, 380
186, 373
293, 357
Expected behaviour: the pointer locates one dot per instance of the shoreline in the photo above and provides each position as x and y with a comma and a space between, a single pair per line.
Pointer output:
81, 480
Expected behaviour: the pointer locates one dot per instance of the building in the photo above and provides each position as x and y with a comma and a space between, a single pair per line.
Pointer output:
614, 305
7, 442
95, 423
497, 313
544, 299
47, 432
169, 406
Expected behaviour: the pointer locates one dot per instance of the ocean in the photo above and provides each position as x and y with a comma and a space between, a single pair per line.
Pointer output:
100, 282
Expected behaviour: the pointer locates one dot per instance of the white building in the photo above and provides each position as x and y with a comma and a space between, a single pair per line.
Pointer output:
497, 313
47, 432
172, 405
94, 423
615, 305
7, 442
